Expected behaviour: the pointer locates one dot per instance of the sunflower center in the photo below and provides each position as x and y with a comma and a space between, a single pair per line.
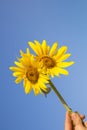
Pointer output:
48, 62
32, 74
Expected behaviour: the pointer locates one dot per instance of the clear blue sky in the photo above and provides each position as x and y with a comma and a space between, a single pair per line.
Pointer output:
54, 20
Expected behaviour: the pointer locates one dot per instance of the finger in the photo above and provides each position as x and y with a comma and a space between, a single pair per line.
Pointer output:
68, 122
82, 117
77, 121
85, 123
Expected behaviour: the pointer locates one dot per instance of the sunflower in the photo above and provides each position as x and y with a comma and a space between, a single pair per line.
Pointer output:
27, 69
52, 59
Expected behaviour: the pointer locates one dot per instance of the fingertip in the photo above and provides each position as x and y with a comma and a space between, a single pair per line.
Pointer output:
67, 113
76, 119
82, 117
73, 115
68, 122
68, 116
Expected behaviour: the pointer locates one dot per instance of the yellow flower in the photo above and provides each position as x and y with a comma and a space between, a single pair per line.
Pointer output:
27, 69
52, 59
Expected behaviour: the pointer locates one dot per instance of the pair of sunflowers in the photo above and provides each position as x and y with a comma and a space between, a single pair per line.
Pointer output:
37, 70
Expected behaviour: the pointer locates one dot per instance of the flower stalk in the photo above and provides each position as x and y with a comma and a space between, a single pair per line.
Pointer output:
60, 97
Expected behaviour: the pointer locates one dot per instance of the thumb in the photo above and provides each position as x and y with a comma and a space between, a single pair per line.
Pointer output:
68, 122
77, 122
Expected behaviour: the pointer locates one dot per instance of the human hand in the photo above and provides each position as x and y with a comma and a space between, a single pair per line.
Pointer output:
75, 122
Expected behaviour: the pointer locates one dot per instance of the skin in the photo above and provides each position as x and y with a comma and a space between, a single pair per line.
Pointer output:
75, 122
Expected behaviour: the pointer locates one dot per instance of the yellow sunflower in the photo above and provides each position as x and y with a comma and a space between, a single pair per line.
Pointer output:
52, 59
27, 69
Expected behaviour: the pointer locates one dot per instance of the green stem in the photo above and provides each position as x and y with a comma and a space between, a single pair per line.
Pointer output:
60, 97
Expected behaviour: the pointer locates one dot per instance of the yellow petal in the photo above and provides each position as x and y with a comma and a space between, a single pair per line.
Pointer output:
36, 90
38, 47
55, 71
45, 47
28, 51
43, 86
18, 80
44, 78
16, 69
53, 49
24, 83
18, 64
64, 57
27, 87
63, 71
15, 74
61, 51
33, 46
65, 64
22, 53
25, 61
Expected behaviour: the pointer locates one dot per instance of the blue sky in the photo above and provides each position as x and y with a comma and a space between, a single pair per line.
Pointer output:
55, 20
